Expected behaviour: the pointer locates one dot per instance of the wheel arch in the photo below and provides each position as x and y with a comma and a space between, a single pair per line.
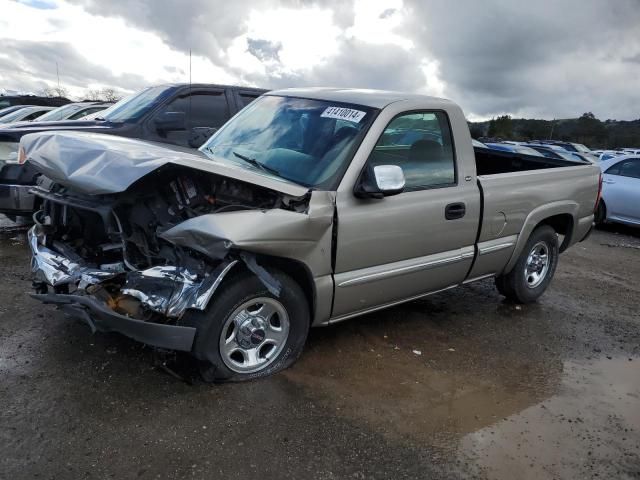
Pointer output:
297, 270
561, 216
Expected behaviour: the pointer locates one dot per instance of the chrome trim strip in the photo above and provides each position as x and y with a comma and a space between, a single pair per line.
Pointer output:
402, 270
347, 316
495, 248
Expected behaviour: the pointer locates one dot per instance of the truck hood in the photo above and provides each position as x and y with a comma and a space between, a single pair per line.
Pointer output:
96, 164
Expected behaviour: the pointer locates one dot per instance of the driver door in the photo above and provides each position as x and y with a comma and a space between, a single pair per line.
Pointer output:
404, 246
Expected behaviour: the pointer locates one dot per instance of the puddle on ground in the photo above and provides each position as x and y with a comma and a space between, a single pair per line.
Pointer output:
590, 428
426, 376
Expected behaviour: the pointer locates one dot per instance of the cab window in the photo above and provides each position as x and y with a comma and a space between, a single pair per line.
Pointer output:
420, 143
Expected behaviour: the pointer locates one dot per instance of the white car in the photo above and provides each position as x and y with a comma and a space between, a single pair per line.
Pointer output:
620, 200
25, 114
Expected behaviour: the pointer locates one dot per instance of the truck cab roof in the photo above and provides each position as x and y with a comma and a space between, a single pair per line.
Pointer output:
359, 96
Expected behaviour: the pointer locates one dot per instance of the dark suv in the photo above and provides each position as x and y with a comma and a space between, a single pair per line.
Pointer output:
179, 114
11, 100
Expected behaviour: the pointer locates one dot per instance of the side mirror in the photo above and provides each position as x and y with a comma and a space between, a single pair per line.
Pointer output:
380, 181
170, 121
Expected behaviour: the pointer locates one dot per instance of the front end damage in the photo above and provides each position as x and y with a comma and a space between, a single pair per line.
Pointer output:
137, 261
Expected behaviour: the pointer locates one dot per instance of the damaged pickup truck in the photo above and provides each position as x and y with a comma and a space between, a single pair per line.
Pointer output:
309, 207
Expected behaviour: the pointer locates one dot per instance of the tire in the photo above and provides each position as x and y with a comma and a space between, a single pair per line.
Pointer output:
601, 213
244, 297
533, 272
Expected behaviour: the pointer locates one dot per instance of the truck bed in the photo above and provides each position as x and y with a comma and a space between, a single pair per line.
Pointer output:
518, 191
491, 162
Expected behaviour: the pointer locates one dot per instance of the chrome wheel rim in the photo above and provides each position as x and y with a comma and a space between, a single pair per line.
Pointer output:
537, 266
254, 334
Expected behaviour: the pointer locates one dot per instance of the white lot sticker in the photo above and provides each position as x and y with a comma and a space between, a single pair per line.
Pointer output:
347, 114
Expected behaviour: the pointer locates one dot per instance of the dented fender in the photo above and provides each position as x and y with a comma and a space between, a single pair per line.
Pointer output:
304, 237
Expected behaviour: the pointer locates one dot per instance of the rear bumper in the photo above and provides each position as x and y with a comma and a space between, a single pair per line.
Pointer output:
16, 199
103, 319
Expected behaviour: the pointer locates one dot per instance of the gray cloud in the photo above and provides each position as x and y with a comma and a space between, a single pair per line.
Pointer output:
264, 49
393, 69
30, 64
550, 58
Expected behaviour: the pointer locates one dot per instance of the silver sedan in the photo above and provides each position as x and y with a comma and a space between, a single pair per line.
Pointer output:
620, 200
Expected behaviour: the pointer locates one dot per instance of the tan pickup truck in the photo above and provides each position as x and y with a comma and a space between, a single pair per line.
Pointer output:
309, 207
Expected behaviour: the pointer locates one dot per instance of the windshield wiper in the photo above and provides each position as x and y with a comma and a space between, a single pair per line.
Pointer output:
256, 163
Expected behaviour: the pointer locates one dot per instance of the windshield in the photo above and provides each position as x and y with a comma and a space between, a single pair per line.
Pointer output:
60, 113
309, 142
581, 148
528, 151
131, 108
17, 115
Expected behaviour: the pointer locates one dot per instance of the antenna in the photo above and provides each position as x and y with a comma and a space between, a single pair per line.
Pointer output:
190, 96
58, 75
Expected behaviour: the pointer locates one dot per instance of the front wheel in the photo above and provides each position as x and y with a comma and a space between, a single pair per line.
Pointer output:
533, 271
246, 332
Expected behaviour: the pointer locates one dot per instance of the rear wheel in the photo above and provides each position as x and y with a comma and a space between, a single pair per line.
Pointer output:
601, 213
533, 271
246, 332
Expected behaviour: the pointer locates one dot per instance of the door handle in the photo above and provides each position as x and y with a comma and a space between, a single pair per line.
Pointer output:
608, 181
453, 211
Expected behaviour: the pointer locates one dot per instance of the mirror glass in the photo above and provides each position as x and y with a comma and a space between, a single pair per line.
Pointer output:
389, 178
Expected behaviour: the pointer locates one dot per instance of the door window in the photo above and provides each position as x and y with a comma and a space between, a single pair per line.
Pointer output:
201, 109
420, 143
626, 168
247, 98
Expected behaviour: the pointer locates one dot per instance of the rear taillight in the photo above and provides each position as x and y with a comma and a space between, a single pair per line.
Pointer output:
22, 157
595, 207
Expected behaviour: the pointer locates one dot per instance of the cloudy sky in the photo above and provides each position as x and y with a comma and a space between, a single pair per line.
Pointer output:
542, 59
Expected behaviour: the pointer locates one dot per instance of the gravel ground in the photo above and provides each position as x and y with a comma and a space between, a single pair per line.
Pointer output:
460, 385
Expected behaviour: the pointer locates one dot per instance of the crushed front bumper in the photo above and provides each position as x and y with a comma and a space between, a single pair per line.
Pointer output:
101, 318
165, 290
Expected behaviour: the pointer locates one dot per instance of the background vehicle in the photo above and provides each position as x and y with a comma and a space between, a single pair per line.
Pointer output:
606, 154
10, 100
554, 151
180, 114
515, 148
8, 110
272, 210
620, 200
24, 114
570, 146
73, 111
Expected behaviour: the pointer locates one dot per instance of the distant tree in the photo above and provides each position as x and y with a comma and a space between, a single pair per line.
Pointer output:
94, 95
110, 95
476, 130
55, 92
501, 127
589, 130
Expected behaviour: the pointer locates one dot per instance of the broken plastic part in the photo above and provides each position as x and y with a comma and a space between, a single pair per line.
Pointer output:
167, 290
269, 281
172, 290
55, 269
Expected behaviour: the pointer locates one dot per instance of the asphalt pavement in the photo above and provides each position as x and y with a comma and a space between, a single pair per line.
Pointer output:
458, 385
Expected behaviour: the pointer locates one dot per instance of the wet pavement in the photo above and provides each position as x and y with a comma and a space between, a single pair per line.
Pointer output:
459, 385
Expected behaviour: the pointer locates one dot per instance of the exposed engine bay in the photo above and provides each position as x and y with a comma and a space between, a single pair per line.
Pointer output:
112, 247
